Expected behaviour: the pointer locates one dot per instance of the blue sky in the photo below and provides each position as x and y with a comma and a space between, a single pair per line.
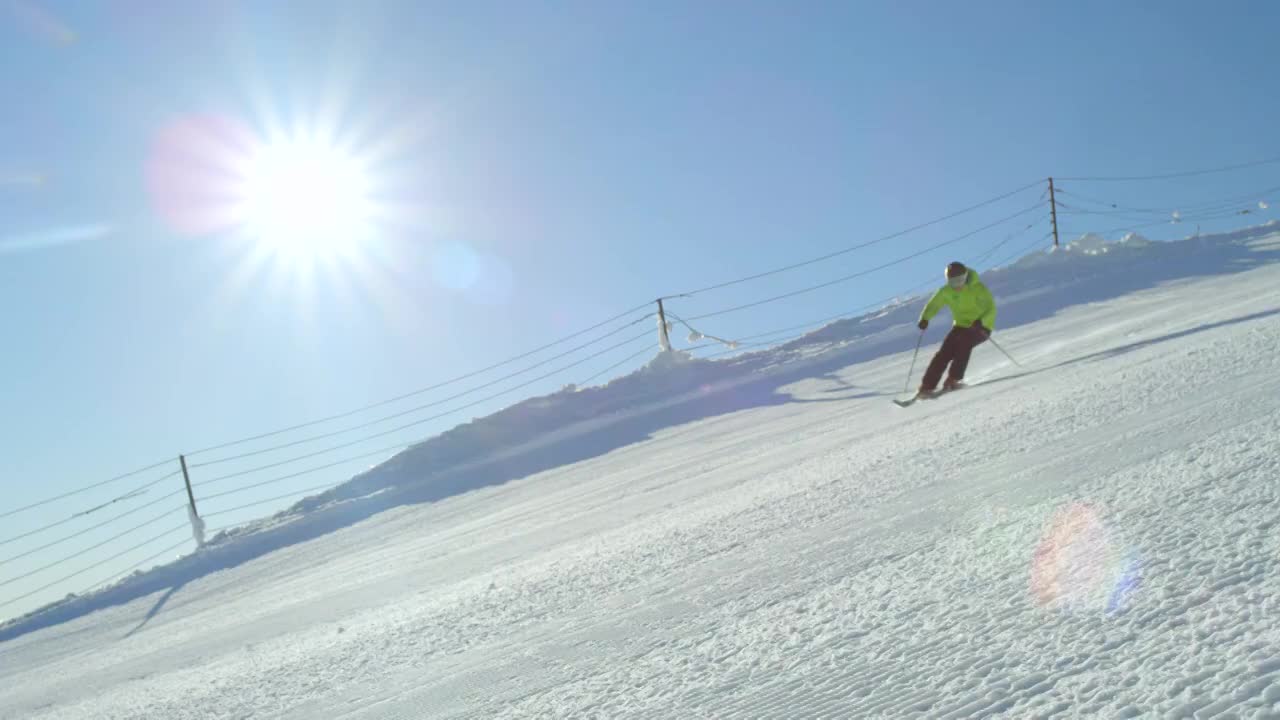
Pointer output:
542, 166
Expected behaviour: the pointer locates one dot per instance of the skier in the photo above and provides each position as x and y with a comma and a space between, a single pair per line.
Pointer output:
973, 314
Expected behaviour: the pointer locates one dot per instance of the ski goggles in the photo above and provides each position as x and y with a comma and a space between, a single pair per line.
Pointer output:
958, 281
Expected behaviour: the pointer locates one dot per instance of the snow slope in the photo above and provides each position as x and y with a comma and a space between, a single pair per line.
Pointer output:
1094, 536
577, 424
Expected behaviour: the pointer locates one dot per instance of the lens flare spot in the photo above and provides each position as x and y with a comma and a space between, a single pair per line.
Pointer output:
480, 277
496, 281
192, 172
454, 265
1077, 564
41, 23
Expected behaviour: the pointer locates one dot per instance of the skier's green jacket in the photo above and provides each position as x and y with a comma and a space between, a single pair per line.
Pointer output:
971, 303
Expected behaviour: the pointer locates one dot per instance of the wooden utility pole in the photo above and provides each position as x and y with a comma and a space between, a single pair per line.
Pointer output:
197, 525
186, 477
1053, 213
663, 339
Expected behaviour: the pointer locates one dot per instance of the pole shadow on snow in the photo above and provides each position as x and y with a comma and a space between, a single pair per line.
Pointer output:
1109, 353
540, 434
1131, 347
155, 609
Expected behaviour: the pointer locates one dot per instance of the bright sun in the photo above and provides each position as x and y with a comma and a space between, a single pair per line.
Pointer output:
305, 197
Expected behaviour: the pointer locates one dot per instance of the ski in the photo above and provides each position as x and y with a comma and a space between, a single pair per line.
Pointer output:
924, 396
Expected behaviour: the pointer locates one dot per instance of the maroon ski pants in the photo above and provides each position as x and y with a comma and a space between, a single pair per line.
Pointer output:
955, 351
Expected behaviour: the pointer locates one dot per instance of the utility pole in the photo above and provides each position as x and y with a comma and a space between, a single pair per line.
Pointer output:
186, 477
197, 524
1053, 213
664, 340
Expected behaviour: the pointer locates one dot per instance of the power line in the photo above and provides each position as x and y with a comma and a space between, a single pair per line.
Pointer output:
1112, 210
1232, 204
1148, 215
380, 451
87, 488
694, 331
1166, 176
1107, 203
281, 463
1185, 207
880, 304
817, 325
255, 503
139, 564
1120, 214
419, 422
88, 530
80, 572
1240, 207
859, 246
1203, 211
992, 250
1217, 216
616, 365
64, 521
385, 418
782, 341
108, 541
1178, 221
747, 342
38, 530
122, 498
420, 391
863, 273
300, 473
1022, 251
753, 346
424, 420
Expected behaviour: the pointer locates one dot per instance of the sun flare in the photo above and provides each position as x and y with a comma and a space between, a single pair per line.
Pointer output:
305, 197
307, 209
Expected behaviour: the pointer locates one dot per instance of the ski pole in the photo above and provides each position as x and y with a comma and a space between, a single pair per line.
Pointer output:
1006, 354
907, 388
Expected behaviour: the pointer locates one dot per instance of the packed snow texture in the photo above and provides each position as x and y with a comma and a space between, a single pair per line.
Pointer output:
1092, 536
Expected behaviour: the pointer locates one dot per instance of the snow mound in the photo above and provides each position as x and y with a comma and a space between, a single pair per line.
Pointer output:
1095, 244
1089, 244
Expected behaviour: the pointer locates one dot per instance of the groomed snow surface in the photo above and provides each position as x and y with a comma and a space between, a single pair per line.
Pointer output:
1095, 535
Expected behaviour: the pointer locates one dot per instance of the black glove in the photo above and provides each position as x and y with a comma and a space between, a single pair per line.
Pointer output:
981, 329
923, 324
